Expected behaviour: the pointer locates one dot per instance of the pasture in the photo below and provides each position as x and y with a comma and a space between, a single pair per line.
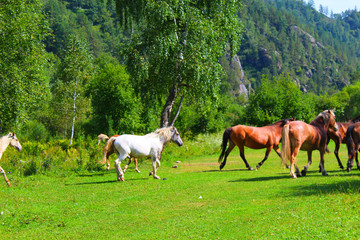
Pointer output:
195, 201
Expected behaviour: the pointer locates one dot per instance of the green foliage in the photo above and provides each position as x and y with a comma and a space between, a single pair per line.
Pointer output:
24, 87
34, 131
73, 75
278, 99
291, 37
115, 106
176, 46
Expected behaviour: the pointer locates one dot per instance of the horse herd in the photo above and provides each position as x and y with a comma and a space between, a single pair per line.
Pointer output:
294, 136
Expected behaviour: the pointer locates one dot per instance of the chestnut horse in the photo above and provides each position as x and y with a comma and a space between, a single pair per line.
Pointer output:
298, 135
340, 136
4, 143
252, 137
109, 150
353, 144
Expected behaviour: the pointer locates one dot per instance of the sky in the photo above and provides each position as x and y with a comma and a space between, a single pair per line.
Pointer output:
337, 6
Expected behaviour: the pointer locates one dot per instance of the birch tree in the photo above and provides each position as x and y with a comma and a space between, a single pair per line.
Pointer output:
73, 75
175, 47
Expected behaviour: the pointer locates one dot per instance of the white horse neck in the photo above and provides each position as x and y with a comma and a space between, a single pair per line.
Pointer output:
4, 143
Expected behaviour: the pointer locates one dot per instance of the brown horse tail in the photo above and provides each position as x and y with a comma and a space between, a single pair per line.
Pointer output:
285, 145
108, 149
350, 141
225, 140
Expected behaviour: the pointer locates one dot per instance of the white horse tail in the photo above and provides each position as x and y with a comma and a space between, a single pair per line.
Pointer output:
102, 137
285, 145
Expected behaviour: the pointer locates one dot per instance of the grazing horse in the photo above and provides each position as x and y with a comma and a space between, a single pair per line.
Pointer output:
298, 135
353, 144
150, 145
4, 143
109, 150
253, 137
340, 136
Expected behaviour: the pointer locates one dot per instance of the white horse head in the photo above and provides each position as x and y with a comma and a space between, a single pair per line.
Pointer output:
169, 133
14, 142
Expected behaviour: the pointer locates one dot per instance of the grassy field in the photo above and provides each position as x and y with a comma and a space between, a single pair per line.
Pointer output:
193, 201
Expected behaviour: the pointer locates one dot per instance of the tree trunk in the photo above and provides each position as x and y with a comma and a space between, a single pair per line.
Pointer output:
74, 113
170, 101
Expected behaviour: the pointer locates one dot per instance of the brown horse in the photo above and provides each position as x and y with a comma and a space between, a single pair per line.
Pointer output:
4, 143
109, 150
340, 136
298, 135
353, 144
252, 137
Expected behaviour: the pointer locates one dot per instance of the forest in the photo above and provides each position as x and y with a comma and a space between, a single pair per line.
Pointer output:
76, 68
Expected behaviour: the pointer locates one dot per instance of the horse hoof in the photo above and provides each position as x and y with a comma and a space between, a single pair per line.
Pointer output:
303, 173
250, 168
258, 166
150, 173
121, 179
348, 169
137, 171
325, 174
156, 177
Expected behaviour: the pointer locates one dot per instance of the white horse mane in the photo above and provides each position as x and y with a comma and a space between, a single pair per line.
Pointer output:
165, 133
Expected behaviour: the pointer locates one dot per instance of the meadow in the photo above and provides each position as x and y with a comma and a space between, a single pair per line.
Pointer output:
193, 201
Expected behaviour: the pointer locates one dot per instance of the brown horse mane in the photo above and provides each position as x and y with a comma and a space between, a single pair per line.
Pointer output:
283, 121
322, 118
355, 119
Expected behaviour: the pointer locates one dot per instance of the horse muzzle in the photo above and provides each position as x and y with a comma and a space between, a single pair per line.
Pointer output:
179, 143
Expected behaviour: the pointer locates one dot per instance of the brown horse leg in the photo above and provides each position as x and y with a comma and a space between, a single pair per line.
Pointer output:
6, 179
357, 160
230, 148
303, 172
336, 152
293, 165
322, 164
268, 150
242, 155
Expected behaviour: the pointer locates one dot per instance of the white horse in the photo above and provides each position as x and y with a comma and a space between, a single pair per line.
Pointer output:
150, 145
4, 143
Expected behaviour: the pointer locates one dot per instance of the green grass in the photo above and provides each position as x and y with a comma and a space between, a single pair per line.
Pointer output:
196, 201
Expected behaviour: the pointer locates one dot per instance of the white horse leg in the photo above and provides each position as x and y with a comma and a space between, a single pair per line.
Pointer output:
6, 179
127, 165
119, 171
156, 164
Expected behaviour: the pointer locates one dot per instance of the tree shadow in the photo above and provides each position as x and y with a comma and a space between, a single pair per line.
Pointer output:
86, 183
230, 170
343, 187
104, 182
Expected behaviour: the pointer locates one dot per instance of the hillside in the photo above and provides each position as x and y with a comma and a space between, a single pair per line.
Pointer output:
289, 36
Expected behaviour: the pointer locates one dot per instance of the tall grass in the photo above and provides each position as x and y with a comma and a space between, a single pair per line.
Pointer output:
85, 154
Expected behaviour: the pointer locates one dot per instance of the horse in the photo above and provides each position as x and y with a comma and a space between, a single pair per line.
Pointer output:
298, 135
5, 141
340, 136
149, 145
109, 150
353, 144
253, 137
